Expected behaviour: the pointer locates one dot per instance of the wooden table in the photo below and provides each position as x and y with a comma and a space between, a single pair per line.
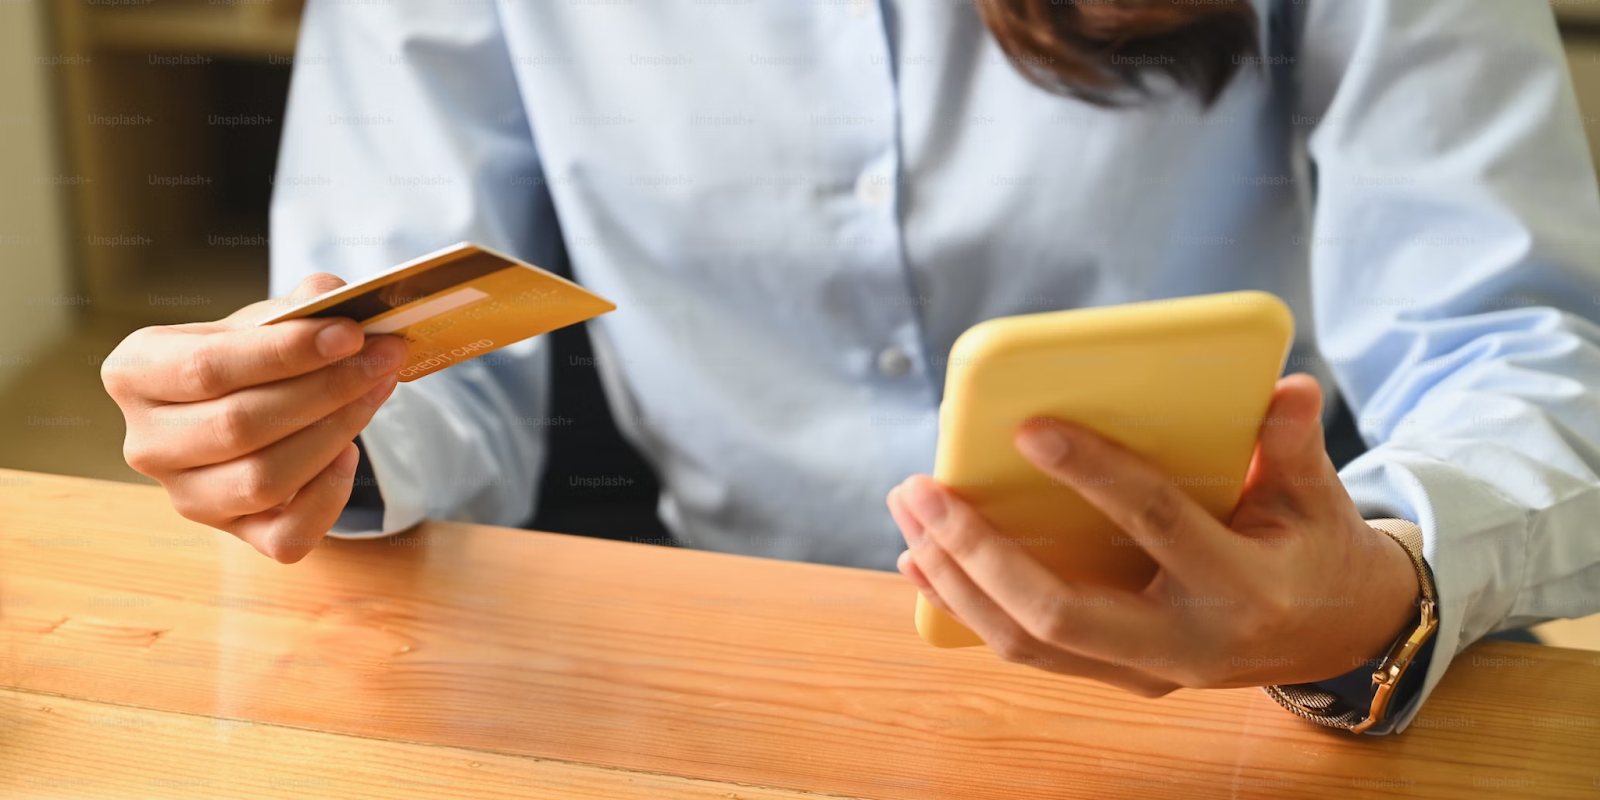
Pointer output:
145, 656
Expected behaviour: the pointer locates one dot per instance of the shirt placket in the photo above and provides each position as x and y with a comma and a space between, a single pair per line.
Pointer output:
889, 354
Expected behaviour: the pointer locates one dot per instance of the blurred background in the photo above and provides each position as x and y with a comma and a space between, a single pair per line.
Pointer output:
137, 145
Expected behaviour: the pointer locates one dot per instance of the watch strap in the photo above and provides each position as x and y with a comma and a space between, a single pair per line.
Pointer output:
1409, 535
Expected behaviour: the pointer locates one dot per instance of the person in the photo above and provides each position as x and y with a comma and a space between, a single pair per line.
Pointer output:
797, 207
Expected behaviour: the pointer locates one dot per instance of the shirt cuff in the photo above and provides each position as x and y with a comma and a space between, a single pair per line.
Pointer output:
1473, 541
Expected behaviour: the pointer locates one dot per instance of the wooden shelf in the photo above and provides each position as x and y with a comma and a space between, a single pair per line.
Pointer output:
195, 30
190, 284
177, 277
1579, 13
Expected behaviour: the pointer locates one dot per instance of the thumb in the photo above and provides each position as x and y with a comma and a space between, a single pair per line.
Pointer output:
314, 284
1291, 461
1291, 434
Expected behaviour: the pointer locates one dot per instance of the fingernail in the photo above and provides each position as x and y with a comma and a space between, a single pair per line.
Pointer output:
1043, 446
926, 503
913, 529
377, 394
383, 357
338, 340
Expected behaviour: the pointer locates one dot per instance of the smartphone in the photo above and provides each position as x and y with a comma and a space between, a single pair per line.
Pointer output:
1185, 383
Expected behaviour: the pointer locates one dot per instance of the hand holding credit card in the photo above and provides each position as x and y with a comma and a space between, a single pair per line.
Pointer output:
456, 304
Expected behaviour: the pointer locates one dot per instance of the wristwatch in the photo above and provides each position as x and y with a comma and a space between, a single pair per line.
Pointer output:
1360, 711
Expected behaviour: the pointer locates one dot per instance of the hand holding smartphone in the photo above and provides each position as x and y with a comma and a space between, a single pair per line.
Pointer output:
1184, 383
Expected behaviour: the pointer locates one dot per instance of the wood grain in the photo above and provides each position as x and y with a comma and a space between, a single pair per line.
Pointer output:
131, 754
701, 665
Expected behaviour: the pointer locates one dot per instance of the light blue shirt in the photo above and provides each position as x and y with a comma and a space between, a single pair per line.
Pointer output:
798, 206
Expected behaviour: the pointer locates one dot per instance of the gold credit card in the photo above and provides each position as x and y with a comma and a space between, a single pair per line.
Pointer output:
456, 304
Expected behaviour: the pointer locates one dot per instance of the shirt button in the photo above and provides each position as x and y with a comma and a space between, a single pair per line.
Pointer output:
872, 189
860, 8
894, 363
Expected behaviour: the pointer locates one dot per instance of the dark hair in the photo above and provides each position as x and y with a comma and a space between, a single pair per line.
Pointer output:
1102, 51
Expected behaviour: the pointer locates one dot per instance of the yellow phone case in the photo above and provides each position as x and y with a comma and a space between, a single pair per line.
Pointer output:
1184, 382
